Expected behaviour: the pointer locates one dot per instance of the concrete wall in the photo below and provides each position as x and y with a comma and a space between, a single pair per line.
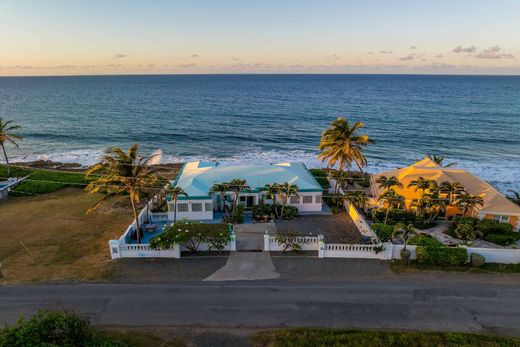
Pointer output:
191, 215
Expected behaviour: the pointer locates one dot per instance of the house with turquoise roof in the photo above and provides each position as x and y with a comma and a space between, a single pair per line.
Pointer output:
197, 178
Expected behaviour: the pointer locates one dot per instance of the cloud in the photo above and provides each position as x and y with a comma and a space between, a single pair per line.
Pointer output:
413, 47
408, 57
494, 52
385, 52
119, 56
194, 56
438, 56
460, 49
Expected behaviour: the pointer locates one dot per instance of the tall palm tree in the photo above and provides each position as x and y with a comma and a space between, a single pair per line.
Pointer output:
392, 198
439, 159
340, 177
423, 184
515, 198
272, 190
287, 189
6, 136
222, 189
237, 185
175, 192
466, 202
452, 190
340, 144
357, 198
388, 182
123, 172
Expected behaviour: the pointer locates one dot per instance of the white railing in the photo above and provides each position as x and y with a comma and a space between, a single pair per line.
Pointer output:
308, 243
337, 250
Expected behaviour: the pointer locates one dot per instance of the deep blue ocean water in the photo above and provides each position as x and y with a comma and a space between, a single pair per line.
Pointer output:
472, 120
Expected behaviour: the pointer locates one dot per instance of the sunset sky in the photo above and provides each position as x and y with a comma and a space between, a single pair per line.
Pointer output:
68, 37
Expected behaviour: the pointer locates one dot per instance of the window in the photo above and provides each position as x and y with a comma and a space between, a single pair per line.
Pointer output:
307, 199
242, 199
501, 219
196, 207
209, 206
295, 199
182, 207
318, 199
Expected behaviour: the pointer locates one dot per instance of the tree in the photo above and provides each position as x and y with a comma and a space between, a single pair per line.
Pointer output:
123, 172
452, 190
467, 232
222, 189
423, 185
272, 190
340, 144
515, 198
175, 192
357, 198
406, 231
438, 159
6, 136
388, 182
392, 198
287, 189
340, 177
237, 185
466, 202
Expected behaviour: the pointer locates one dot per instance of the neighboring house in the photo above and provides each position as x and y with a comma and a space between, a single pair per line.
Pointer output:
197, 178
496, 206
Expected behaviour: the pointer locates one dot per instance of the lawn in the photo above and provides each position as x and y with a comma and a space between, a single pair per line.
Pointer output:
50, 237
341, 337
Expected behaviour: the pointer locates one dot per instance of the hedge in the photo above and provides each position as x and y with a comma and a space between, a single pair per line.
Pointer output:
394, 216
383, 231
447, 256
424, 240
491, 227
502, 239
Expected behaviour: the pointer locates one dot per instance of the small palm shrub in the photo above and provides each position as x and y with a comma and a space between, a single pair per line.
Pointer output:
476, 260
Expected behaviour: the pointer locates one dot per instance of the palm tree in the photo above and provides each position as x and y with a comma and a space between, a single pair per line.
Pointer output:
452, 190
272, 190
237, 185
392, 198
357, 198
175, 192
222, 189
340, 177
423, 184
388, 182
515, 198
467, 232
406, 231
466, 202
340, 144
438, 159
6, 136
123, 172
287, 189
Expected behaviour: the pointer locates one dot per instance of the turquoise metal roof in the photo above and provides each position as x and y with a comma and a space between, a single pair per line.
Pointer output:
197, 178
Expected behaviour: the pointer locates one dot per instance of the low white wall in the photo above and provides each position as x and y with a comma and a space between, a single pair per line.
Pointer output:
144, 251
498, 255
308, 243
337, 250
395, 252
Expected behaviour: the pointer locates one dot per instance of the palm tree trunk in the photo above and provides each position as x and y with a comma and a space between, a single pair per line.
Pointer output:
138, 229
6, 161
386, 214
274, 204
175, 211
284, 202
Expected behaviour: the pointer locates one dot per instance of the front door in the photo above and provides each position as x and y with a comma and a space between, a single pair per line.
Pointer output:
250, 201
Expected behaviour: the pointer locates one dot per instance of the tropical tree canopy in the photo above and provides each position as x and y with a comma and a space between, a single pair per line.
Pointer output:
123, 172
174, 193
439, 159
342, 145
388, 182
7, 136
466, 202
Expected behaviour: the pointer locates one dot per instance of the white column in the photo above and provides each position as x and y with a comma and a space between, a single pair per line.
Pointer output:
115, 251
266, 242
321, 247
233, 241
177, 251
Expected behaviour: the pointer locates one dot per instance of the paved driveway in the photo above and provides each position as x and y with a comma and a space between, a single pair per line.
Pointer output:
250, 237
337, 228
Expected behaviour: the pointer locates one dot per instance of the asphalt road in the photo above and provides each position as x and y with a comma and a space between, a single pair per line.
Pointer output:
409, 305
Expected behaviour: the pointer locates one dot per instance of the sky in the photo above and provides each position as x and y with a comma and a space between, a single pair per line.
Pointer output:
86, 37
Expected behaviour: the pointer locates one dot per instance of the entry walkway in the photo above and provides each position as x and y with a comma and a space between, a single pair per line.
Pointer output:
246, 266
250, 237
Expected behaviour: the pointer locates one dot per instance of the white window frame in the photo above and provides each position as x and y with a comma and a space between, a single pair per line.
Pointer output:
307, 199
208, 206
182, 204
318, 199
193, 204
294, 199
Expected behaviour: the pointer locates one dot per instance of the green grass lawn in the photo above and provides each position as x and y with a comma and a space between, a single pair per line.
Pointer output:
398, 266
42, 181
340, 337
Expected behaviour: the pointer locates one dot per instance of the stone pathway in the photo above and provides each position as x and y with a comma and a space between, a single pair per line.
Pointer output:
246, 266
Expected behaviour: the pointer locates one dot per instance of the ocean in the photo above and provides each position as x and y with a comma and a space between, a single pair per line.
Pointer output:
472, 120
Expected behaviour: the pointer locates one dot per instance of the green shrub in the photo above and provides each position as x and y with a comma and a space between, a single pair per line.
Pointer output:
290, 212
321, 176
383, 231
52, 328
465, 219
477, 260
394, 216
446, 256
424, 240
501, 239
424, 224
492, 227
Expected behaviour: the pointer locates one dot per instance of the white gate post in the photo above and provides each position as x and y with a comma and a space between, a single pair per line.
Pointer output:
321, 247
266, 242
115, 251
389, 250
177, 251
233, 246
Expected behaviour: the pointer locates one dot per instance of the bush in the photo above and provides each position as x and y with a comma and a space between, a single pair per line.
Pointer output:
321, 176
423, 224
477, 260
52, 328
290, 212
492, 227
394, 216
191, 234
424, 241
446, 256
383, 231
501, 239
464, 219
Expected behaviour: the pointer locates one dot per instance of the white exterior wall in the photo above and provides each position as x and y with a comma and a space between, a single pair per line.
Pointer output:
191, 215
310, 207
